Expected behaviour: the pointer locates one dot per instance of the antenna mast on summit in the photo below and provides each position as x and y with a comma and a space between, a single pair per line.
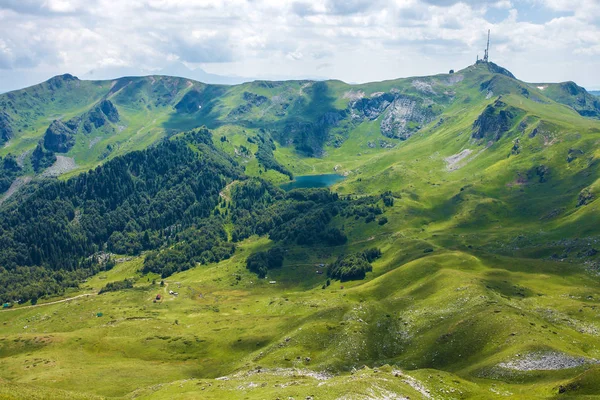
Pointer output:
487, 49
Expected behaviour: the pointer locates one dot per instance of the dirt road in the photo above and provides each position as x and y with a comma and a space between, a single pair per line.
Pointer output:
52, 302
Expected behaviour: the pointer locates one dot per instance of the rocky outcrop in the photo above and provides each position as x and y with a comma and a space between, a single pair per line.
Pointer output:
373, 107
98, 117
546, 361
240, 110
58, 137
404, 117
586, 196
541, 172
254, 99
109, 110
494, 121
6, 130
101, 114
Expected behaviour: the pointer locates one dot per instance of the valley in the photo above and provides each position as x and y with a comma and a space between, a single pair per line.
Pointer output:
444, 247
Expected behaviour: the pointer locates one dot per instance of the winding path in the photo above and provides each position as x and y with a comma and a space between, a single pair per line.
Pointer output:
51, 302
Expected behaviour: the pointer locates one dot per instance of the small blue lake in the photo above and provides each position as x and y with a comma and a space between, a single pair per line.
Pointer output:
312, 181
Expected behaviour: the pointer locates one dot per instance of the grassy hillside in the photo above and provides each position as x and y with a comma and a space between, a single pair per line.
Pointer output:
487, 286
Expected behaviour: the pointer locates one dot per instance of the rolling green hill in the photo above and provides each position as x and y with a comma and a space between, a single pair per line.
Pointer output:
457, 259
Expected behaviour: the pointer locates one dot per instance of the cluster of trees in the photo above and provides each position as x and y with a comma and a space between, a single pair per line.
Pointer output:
265, 156
165, 201
9, 170
42, 158
295, 217
353, 266
129, 204
116, 286
261, 262
203, 243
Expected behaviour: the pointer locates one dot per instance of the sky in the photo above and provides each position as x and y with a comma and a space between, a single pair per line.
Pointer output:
352, 40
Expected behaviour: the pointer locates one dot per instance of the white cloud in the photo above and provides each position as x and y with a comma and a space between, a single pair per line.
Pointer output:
279, 38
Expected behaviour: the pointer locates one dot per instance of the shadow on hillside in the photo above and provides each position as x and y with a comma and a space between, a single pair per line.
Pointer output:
308, 123
197, 108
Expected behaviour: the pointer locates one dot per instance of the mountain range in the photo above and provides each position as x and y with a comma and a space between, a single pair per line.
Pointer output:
456, 256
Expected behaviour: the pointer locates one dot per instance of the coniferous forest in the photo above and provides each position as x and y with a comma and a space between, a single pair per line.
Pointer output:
164, 201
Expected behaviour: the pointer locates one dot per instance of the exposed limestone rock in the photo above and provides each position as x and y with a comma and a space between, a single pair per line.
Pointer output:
404, 117
373, 107
352, 95
423, 86
548, 361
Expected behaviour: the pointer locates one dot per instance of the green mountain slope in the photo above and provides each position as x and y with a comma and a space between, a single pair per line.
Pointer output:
571, 94
479, 193
308, 118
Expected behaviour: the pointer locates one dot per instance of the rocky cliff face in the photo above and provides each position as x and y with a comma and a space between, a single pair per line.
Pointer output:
402, 115
96, 118
58, 137
6, 130
494, 121
109, 110
372, 107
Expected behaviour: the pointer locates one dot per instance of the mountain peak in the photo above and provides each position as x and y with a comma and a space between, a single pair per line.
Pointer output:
58, 81
494, 68
64, 77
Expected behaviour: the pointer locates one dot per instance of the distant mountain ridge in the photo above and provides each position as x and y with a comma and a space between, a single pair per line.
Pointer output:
173, 69
92, 121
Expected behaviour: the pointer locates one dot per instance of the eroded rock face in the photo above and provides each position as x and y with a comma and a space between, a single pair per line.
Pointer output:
58, 137
373, 107
6, 130
402, 115
494, 121
405, 117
